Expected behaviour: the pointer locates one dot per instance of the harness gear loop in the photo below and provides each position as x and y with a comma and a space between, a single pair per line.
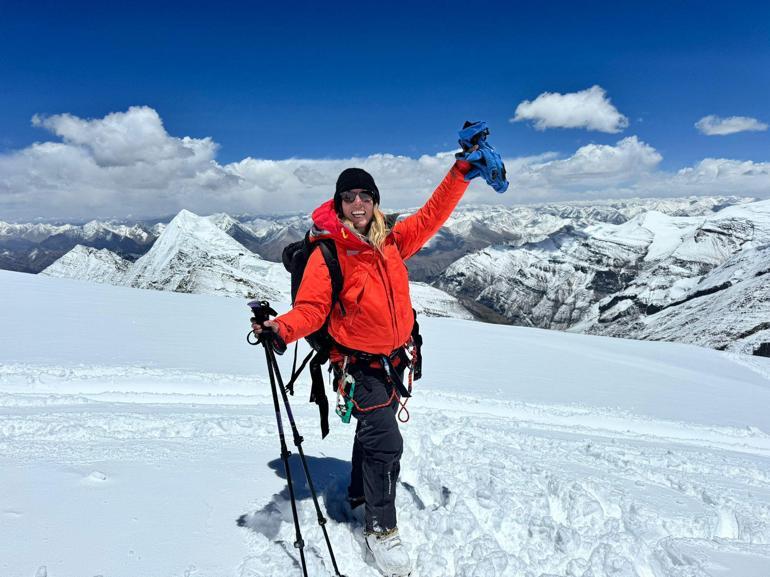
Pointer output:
412, 353
345, 402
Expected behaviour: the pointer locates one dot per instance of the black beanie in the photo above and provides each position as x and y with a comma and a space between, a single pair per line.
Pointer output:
352, 178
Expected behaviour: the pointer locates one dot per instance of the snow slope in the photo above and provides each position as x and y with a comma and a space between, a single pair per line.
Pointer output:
137, 426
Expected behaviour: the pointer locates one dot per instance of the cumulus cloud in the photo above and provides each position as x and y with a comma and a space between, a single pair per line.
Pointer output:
611, 170
629, 168
127, 165
712, 125
625, 161
589, 109
127, 138
752, 178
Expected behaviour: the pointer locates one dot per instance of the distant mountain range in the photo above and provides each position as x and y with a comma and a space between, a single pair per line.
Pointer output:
690, 270
695, 279
191, 255
33, 247
195, 254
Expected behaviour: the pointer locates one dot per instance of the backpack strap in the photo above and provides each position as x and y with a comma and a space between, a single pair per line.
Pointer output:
318, 392
329, 252
417, 349
319, 357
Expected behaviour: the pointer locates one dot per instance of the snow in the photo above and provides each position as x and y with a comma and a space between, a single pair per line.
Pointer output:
87, 263
432, 302
757, 212
137, 426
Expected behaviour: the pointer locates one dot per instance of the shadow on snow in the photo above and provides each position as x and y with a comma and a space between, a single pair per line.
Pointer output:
330, 478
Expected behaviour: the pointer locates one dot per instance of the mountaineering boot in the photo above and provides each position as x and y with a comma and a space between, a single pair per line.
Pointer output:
389, 554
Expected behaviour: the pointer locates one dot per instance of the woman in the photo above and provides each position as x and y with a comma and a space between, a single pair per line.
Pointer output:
371, 327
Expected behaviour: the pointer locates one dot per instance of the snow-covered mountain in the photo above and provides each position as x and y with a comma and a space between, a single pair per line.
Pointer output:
542, 220
192, 255
272, 235
89, 231
473, 228
240, 232
710, 287
432, 302
195, 255
91, 264
613, 278
32, 232
33, 247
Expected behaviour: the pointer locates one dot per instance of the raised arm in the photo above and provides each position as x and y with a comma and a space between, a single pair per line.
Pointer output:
414, 231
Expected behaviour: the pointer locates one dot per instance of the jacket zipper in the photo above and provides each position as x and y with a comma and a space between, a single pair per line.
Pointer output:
391, 300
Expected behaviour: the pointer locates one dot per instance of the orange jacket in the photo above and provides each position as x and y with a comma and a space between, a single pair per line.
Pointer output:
375, 293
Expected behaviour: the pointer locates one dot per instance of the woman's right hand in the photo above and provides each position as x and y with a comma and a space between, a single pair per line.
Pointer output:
267, 325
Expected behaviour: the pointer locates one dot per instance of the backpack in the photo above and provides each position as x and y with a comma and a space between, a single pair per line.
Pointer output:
295, 257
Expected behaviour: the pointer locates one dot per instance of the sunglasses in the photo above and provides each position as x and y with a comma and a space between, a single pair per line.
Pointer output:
350, 196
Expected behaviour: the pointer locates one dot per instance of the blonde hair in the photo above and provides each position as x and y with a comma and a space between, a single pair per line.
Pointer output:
378, 228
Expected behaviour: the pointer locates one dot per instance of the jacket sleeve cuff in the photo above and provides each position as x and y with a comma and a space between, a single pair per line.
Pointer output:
284, 331
463, 166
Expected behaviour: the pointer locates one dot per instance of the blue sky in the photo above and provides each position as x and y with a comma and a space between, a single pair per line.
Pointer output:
271, 80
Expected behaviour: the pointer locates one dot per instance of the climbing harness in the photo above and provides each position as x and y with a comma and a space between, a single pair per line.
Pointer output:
345, 383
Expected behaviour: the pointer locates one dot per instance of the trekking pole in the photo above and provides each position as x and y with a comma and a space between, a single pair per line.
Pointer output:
269, 340
264, 341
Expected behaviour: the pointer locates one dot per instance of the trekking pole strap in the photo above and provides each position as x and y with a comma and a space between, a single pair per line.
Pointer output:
289, 388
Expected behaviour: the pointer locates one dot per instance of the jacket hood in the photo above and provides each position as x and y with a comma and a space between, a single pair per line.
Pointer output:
326, 224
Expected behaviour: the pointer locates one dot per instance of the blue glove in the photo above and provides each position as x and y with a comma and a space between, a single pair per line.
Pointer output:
485, 160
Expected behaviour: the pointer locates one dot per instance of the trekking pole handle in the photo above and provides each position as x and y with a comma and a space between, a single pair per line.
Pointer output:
262, 311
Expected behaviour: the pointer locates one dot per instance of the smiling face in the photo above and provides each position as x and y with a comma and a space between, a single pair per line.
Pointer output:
360, 210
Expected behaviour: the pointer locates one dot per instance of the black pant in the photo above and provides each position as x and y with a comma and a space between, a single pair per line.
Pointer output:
377, 448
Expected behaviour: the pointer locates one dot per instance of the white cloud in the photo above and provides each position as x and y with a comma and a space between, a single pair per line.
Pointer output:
715, 126
630, 168
713, 174
589, 109
127, 138
604, 163
126, 164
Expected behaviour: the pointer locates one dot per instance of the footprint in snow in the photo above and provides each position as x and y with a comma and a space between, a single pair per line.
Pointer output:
413, 493
95, 477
